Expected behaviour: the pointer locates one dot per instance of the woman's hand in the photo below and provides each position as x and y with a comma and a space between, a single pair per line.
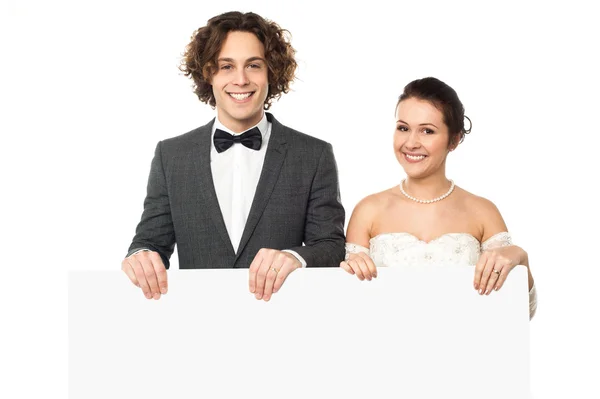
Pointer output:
494, 265
360, 264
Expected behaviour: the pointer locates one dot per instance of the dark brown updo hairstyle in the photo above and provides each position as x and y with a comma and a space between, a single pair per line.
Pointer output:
200, 58
444, 98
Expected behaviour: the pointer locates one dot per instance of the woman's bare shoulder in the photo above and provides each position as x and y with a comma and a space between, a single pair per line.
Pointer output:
477, 203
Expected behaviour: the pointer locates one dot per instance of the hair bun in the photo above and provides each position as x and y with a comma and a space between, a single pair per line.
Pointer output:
467, 131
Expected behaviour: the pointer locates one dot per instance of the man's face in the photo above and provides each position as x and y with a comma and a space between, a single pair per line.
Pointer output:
240, 85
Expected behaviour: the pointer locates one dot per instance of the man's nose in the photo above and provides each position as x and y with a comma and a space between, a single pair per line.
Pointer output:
241, 77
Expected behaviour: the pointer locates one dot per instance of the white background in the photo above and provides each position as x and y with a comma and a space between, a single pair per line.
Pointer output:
88, 88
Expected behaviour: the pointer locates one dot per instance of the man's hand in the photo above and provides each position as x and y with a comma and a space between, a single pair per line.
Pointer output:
268, 271
146, 270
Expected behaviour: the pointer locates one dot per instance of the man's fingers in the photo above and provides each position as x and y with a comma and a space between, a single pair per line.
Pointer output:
140, 276
272, 274
284, 272
150, 274
254, 266
261, 277
126, 267
161, 272
146, 270
261, 273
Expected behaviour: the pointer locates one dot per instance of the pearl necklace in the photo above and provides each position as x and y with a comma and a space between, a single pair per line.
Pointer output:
426, 201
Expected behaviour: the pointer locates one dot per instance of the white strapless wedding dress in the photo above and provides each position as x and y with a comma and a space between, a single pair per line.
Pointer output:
392, 249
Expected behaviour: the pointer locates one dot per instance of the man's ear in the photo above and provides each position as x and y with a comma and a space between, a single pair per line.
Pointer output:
207, 76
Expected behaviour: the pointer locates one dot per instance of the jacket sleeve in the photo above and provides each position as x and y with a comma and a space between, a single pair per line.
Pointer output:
155, 230
324, 227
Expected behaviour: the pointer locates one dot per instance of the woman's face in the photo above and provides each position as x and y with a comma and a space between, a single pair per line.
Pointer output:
421, 138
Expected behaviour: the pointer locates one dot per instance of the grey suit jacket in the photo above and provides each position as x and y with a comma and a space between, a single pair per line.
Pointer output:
297, 202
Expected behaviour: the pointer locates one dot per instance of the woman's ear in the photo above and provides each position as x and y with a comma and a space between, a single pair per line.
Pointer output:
453, 144
455, 141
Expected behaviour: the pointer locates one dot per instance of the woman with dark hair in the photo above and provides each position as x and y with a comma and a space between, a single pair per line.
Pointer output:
427, 219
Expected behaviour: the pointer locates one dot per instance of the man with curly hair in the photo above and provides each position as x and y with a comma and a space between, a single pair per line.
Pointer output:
242, 191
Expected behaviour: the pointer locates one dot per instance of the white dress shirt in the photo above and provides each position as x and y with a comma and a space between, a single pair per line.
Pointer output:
235, 174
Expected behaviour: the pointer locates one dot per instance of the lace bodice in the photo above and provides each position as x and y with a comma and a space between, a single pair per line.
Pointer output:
404, 249
391, 249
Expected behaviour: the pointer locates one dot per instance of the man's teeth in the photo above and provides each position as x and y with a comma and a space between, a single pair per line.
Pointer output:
240, 96
415, 158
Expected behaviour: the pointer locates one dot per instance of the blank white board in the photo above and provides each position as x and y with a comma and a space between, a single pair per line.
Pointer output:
411, 333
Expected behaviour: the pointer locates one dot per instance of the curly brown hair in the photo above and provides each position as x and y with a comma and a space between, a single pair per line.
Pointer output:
199, 61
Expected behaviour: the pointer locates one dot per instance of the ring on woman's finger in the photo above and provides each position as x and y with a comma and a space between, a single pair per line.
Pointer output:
275, 270
497, 271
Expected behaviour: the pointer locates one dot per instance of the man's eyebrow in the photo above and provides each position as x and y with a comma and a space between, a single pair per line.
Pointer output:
227, 59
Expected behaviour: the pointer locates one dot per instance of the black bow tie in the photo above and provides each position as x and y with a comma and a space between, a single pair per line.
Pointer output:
251, 139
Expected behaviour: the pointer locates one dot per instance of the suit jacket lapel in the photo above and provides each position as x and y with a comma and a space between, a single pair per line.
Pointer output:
207, 186
274, 158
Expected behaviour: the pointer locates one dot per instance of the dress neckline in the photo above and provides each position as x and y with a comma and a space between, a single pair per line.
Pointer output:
381, 235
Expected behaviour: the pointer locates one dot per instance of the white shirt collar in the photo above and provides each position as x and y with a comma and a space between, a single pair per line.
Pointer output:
262, 125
